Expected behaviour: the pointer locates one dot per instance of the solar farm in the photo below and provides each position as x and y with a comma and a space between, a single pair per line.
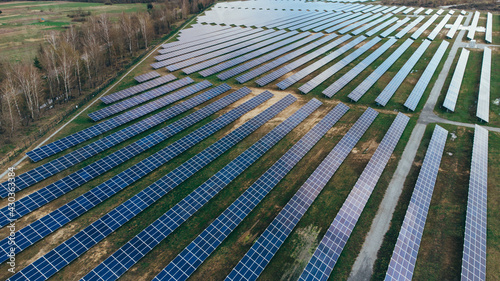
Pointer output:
277, 140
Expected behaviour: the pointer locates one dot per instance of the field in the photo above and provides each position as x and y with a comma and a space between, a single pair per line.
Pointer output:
442, 242
21, 29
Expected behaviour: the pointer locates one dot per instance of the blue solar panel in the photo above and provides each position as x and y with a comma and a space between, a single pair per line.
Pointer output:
419, 89
358, 24
136, 100
393, 28
129, 209
41, 197
358, 17
422, 28
197, 251
336, 20
93, 131
454, 28
483, 101
137, 89
409, 27
169, 221
262, 251
474, 254
329, 249
384, 20
405, 252
147, 76
456, 81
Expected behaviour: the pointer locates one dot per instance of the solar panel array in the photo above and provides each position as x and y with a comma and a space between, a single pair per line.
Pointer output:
488, 37
372, 24
66, 252
474, 253
423, 27
319, 63
52, 191
456, 81
120, 261
405, 252
346, 23
147, 76
182, 266
454, 27
333, 242
438, 27
362, 88
417, 11
138, 99
409, 27
419, 89
381, 26
391, 88
262, 251
356, 70
408, 10
323, 76
98, 129
137, 89
303, 60
473, 26
77, 156
483, 101
393, 28
359, 23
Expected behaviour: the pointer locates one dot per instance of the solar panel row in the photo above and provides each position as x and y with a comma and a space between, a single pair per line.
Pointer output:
454, 27
473, 26
359, 23
120, 261
137, 88
66, 252
417, 11
405, 252
138, 99
185, 37
396, 81
372, 24
483, 101
438, 27
323, 76
77, 156
41, 197
262, 251
296, 24
337, 20
423, 27
409, 27
355, 71
440, 11
428, 12
235, 61
408, 10
259, 61
346, 23
301, 61
393, 28
488, 37
474, 253
182, 266
147, 76
398, 10
264, 68
98, 129
333, 242
456, 81
312, 25
319, 63
419, 89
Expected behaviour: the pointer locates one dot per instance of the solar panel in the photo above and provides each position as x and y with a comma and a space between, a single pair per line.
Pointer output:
489, 28
77, 156
456, 81
342, 18
262, 251
334, 16
98, 129
346, 23
355, 71
318, 64
332, 244
323, 76
409, 27
264, 68
483, 102
359, 23
137, 89
473, 26
393, 28
41, 197
138, 99
182, 266
170, 220
306, 25
428, 12
117, 217
371, 24
147, 76
133, 206
396, 81
474, 253
187, 41
451, 12
438, 27
381, 26
454, 27
294, 25
419, 89
440, 11
301, 61
400, 9
405, 252
282, 51
417, 11
422, 28
256, 53
408, 10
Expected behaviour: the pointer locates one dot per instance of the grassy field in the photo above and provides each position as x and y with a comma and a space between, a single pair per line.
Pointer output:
21, 30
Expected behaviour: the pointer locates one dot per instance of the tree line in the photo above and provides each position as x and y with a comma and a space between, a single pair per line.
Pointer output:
73, 62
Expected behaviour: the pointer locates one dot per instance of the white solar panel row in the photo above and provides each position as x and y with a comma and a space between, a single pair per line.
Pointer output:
409, 27
428, 12
419, 89
381, 26
456, 81
483, 102
400, 9
393, 28
359, 23
417, 11
455, 27
473, 26
422, 28
489, 28
474, 254
408, 10
451, 12
147, 76
440, 11
371, 24
343, 24
438, 27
